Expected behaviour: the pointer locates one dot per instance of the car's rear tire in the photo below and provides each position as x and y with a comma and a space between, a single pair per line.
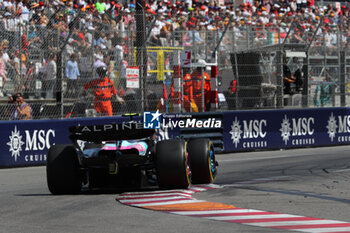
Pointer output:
172, 164
62, 170
202, 159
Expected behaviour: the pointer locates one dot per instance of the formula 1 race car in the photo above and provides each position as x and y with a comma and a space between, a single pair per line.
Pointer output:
119, 155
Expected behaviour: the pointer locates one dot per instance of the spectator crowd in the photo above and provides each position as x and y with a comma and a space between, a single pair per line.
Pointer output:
92, 31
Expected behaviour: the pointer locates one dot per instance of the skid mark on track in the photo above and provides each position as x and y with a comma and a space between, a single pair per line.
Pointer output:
181, 202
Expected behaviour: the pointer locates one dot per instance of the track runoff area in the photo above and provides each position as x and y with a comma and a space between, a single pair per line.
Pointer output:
181, 202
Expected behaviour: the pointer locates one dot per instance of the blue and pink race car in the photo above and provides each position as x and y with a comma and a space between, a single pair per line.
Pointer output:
123, 156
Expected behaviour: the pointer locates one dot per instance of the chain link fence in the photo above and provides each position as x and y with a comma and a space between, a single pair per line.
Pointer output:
320, 56
244, 53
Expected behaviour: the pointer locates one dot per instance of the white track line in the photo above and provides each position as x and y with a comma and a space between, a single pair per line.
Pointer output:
324, 230
294, 223
167, 203
155, 195
260, 216
204, 212
151, 199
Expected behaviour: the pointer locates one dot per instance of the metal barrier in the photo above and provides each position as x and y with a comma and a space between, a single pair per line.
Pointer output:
25, 143
279, 129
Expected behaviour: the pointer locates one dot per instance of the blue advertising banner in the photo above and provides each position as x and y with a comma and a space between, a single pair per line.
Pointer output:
26, 143
274, 129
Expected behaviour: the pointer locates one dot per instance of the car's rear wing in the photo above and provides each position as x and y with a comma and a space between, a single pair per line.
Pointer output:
110, 132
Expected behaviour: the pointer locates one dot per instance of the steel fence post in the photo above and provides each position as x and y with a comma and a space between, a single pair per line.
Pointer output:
342, 71
141, 54
237, 81
305, 92
21, 81
279, 75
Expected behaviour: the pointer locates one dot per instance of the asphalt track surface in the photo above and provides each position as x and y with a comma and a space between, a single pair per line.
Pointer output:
310, 182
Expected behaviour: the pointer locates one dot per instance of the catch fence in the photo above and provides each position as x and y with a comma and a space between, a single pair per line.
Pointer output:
90, 41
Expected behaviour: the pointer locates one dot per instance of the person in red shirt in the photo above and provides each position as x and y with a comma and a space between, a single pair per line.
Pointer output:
103, 88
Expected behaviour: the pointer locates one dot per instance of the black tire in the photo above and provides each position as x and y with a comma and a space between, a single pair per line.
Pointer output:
62, 170
202, 159
172, 164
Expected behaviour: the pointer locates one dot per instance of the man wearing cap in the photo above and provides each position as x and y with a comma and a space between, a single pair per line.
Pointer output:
104, 89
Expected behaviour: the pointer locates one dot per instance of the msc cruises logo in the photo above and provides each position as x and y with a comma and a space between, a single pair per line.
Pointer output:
251, 132
236, 132
285, 129
298, 130
332, 127
15, 143
31, 145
